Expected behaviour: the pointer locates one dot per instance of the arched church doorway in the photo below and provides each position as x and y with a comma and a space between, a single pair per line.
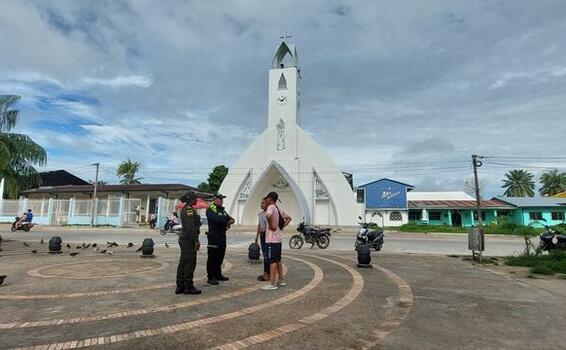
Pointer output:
291, 198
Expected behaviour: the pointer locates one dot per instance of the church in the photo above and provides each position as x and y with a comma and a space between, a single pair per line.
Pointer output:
286, 159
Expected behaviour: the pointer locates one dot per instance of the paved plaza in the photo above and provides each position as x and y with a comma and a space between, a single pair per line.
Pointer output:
121, 301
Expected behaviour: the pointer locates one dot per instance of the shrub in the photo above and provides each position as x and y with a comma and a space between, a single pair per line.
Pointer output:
547, 264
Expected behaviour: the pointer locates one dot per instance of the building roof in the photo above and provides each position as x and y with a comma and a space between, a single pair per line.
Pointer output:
59, 178
539, 202
457, 204
117, 188
439, 196
400, 183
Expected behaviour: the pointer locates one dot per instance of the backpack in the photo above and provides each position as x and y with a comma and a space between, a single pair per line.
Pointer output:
281, 222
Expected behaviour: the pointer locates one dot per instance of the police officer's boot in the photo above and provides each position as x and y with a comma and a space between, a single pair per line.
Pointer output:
191, 290
179, 289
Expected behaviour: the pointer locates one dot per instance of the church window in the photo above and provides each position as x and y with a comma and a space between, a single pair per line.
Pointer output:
395, 216
321, 192
245, 191
282, 83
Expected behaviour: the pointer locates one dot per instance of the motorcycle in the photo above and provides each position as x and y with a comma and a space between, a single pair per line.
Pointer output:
367, 235
312, 235
551, 240
171, 228
23, 227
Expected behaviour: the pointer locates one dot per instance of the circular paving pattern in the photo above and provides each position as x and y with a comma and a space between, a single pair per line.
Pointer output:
97, 269
327, 293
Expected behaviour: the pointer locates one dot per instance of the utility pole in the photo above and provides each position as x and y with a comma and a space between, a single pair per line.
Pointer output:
476, 238
476, 164
92, 207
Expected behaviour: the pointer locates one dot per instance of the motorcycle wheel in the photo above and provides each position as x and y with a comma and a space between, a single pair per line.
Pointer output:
13, 228
296, 242
323, 241
378, 247
27, 229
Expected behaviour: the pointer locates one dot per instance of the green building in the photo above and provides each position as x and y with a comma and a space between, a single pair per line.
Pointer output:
453, 209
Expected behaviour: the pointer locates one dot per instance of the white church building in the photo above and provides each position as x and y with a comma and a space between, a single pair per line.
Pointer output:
286, 159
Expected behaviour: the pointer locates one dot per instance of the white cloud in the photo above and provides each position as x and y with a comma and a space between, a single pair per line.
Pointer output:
121, 81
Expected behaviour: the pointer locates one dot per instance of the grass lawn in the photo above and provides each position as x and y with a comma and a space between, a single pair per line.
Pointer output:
547, 264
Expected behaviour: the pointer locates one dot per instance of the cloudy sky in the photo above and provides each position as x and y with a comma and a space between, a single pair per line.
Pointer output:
400, 89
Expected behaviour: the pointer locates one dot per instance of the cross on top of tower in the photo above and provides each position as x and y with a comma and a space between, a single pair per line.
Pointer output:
285, 36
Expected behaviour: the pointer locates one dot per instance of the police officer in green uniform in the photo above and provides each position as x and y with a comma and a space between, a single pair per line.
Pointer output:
189, 243
218, 222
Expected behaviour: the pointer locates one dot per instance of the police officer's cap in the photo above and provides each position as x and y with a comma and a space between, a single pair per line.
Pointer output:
219, 196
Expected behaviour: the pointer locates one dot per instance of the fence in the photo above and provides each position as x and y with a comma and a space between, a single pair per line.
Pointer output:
166, 207
115, 212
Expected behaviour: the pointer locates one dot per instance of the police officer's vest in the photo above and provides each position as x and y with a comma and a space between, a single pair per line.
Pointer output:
214, 208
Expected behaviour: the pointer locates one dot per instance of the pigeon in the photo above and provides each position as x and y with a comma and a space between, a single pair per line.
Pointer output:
74, 253
130, 245
86, 246
112, 244
34, 251
78, 247
96, 249
94, 245
27, 245
42, 241
166, 245
103, 251
110, 253
139, 250
68, 246
2, 278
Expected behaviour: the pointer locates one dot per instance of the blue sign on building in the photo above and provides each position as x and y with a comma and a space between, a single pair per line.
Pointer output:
386, 194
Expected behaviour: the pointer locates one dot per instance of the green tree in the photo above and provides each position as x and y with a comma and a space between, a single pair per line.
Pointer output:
127, 171
552, 182
215, 178
519, 183
18, 152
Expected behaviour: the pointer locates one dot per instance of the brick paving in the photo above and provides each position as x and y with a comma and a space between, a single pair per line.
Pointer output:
328, 302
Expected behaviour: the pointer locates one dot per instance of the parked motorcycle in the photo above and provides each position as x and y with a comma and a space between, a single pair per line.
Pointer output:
23, 227
312, 235
370, 236
551, 240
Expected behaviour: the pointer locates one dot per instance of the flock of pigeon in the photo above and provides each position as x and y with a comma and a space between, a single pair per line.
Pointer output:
94, 246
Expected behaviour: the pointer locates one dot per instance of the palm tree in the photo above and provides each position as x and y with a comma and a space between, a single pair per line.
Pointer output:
18, 152
127, 170
519, 183
552, 183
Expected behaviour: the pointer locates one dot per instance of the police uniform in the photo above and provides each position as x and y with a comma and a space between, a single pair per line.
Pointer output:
218, 221
188, 240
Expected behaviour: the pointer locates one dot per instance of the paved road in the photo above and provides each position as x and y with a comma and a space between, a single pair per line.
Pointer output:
394, 242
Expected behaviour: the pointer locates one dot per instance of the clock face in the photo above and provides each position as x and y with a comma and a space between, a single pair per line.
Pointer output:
282, 99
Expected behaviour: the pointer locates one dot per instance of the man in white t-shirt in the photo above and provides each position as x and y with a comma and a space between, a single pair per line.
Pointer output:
277, 219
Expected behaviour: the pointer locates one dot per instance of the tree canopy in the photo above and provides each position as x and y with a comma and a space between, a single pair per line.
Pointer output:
18, 152
127, 171
519, 183
215, 178
552, 182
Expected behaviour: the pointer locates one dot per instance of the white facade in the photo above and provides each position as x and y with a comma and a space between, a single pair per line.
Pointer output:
285, 159
387, 217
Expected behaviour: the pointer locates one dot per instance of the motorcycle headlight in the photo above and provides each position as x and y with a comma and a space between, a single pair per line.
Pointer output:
554, 240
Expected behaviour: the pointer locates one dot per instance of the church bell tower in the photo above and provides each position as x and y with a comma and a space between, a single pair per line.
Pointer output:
284, 97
